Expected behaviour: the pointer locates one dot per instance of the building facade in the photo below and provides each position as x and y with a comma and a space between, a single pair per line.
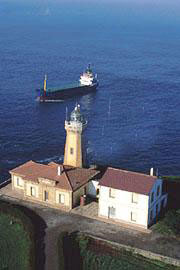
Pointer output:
131, 197
53, 184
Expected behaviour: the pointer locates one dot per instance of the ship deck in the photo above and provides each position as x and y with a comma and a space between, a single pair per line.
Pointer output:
65, 87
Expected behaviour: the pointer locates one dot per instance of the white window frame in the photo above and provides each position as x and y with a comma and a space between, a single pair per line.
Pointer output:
134, 197
110, 208
19, 182
112, 193
33, 191
60, 198
46, 195
134, 216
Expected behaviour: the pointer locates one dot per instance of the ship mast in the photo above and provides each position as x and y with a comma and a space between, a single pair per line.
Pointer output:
45, 83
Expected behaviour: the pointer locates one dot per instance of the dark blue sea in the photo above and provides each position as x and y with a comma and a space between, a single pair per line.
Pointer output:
134, 46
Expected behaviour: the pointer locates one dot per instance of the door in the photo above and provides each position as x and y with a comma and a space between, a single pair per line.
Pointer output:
111, 212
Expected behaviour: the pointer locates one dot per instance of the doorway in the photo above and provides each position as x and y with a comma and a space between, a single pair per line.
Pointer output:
111, 212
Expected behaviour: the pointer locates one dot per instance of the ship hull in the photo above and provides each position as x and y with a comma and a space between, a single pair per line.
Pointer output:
65, 93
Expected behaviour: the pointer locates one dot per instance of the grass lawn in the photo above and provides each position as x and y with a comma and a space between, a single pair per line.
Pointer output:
14, 244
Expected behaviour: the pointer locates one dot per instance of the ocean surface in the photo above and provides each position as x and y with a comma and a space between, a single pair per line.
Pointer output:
133, 118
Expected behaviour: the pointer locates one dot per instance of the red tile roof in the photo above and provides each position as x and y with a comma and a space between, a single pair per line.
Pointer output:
71, 178
128, 181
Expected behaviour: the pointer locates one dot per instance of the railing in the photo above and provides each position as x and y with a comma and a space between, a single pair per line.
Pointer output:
3, 184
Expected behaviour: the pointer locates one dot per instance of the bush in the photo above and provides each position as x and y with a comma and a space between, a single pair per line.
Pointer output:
18, 245
170, 224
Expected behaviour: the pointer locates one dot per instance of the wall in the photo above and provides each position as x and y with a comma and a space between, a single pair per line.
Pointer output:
124, 206
28, 186
92, 187
15, 183
77, 194
67, 196
53, 193
73, 140
159, 202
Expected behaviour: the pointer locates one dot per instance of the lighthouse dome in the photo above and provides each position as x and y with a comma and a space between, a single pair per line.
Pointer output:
76, 115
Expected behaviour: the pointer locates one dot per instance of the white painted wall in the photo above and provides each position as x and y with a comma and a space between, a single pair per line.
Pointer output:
124, 206
18, 182
66, 198
28, 190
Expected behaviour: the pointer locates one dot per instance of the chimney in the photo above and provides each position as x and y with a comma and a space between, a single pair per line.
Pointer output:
151, 171
59, 171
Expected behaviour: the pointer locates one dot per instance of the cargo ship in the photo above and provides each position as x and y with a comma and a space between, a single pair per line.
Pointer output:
87, 83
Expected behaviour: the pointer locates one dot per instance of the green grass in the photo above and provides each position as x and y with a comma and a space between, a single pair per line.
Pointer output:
169, 224
14, 244
171, 178
92, 261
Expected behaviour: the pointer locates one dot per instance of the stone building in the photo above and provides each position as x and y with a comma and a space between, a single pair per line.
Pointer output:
58, 185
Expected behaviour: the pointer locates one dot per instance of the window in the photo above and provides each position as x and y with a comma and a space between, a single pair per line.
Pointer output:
152, 197
71, 150
19, 182
112, 193
158, 191
133, 216
97, 191
46, 195
61, 198
33, 191
134, 198
111, 212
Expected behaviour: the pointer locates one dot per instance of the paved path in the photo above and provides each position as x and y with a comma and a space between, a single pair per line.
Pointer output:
58, 221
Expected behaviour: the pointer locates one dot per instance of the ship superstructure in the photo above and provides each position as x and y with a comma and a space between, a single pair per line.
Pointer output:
88, 78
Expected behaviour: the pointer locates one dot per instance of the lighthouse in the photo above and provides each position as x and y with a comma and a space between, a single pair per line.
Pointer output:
73, 154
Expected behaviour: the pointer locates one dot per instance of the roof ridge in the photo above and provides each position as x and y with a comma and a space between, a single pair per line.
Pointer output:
67, 177
24, 164
143, 174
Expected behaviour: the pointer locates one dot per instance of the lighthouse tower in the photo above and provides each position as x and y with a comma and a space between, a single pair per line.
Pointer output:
73, 148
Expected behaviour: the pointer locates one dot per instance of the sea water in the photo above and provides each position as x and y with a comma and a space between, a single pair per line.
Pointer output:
133, 118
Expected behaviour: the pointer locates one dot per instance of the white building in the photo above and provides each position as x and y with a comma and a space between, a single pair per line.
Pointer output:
130, 197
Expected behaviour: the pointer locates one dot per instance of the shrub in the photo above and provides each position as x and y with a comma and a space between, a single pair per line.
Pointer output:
14, 219
170, 224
